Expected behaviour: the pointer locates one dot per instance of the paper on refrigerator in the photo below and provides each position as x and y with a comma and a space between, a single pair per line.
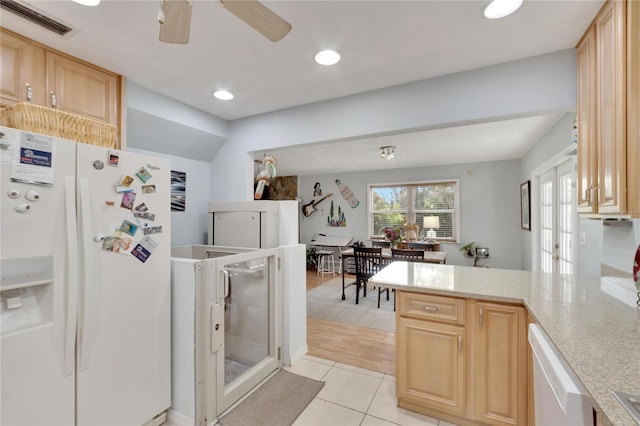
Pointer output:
33, 160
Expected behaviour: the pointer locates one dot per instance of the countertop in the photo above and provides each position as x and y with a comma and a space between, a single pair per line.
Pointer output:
597, 334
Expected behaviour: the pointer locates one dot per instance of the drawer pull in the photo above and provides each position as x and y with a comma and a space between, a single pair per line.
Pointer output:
432, 308
481, 318
459, 343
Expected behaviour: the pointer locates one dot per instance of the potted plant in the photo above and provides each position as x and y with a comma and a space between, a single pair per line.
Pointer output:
312, 258
467, 249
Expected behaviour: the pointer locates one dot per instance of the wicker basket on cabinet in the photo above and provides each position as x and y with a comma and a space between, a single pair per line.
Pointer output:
49, 121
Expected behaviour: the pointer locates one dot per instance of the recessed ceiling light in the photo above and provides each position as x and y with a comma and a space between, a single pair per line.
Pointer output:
223, 95
88, 2
327, 57
501, 8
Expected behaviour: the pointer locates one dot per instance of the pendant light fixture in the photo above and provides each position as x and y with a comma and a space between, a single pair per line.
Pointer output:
387, 152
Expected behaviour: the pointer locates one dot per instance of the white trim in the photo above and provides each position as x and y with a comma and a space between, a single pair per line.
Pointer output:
298, 355
558, 159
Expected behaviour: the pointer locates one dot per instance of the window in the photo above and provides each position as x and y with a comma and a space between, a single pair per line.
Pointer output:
396, 204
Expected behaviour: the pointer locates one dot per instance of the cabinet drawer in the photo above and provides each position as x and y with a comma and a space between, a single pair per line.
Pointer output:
434, 308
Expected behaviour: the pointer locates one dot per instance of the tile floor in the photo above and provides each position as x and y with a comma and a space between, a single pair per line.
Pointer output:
354, 396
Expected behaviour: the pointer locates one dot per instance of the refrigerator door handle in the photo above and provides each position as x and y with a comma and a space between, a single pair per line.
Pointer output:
88, 317
225, 283
71, 302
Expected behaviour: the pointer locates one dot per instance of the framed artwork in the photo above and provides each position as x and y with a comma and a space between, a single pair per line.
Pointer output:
178, 191
525, 205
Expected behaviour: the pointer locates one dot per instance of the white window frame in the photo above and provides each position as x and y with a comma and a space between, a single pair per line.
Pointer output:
411, 214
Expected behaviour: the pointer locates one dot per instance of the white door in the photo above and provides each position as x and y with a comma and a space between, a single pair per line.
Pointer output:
124, 322
249, 352
557, 219
38, 252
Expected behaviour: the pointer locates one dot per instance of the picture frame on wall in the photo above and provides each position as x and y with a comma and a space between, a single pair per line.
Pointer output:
525, 205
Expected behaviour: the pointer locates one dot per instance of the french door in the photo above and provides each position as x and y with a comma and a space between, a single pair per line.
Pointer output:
557, 219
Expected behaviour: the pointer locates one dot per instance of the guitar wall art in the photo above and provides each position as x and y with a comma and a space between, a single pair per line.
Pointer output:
309, 208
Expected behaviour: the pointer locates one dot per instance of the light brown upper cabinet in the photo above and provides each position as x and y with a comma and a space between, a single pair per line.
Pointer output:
37, 74
23, 70
607, 128
81, 89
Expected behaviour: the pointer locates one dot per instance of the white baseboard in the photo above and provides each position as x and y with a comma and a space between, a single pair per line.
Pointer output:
298, 355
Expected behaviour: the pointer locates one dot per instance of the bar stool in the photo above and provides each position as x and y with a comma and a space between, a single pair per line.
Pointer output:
325, 262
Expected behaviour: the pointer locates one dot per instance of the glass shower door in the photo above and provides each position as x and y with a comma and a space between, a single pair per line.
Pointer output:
250, 352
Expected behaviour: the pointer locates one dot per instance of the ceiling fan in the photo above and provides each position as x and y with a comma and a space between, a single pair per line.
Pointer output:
175, 19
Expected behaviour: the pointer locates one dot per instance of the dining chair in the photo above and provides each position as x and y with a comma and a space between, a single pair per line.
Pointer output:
408, 255
368, 261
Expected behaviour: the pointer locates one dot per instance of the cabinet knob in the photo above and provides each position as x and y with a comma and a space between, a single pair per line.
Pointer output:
29, 92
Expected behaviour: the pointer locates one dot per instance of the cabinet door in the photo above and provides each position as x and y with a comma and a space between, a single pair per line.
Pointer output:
81, 89
610, 27
633, 108
501, 364
430, 364
22, 68
586, 117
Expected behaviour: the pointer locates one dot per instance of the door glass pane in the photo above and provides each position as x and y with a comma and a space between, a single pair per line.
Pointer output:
565, 225
246, 334
546, 226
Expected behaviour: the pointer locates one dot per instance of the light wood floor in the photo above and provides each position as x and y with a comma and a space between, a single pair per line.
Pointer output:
349, 344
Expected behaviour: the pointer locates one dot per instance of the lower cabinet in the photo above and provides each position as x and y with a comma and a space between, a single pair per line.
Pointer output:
432, 369
461, 360
501, 364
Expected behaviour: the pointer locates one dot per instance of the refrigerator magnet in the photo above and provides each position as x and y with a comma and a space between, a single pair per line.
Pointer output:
144, 215
148, 189
126, 181
110, 203
152, 230
143, 174
127, 200
98, 165
121, 188
114, 158
142, 207
129, 228
144, 248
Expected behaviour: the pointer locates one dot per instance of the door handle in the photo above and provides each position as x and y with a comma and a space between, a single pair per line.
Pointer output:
54, 100
459, 343
29, 92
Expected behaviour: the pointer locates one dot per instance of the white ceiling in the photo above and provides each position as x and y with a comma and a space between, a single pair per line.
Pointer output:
383, 43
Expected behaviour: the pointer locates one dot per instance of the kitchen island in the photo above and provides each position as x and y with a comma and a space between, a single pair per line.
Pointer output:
597, 334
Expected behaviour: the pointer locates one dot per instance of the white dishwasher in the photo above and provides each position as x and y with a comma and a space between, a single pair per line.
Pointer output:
559, 399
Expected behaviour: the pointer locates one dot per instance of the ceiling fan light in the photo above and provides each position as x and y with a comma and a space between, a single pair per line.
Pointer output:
327, 57
87, 2
500, 8
223, 95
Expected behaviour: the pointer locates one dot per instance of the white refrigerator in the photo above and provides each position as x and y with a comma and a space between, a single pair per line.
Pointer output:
85, 291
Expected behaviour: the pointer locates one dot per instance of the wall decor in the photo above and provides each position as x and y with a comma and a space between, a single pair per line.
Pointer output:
347, 194
317, 190
336, 218
525, 205
178, 191
310, 207
281, 188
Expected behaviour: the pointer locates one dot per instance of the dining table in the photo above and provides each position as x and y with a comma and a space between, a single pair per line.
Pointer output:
429, 257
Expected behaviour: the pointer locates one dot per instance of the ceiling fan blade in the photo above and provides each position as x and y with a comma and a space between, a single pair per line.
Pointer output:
177, 21
259, 17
